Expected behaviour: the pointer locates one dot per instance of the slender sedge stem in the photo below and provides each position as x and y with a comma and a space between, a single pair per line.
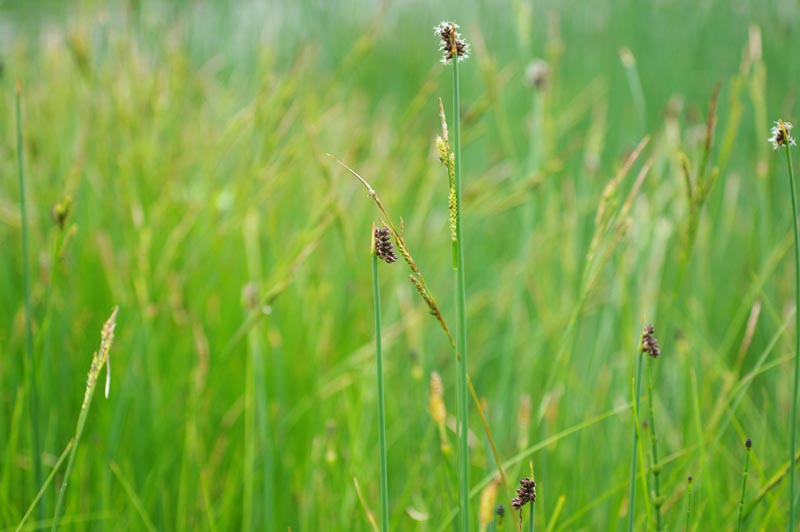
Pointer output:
744, 484
688, 506
461, 294
792, 467
656, 467
530, 525
632, 496
26, 286
381, 412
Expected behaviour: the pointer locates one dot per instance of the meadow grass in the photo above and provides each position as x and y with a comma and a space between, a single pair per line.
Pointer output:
192, 140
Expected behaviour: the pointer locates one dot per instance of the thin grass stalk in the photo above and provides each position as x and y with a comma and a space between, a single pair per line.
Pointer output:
98, 361
792, 468
688, 506
533, 511
461, 303
637, 385
46, 484
26, 288
381, 411
655, 466
748, 444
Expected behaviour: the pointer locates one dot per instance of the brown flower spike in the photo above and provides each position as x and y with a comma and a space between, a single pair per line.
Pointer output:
383, 245
649, 342
452, 43
526, 494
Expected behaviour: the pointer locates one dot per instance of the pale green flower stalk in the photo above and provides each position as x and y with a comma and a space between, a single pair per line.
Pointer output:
381, 249
781, 137
688, 503
99, 359
748, 444
637, 386
454, 49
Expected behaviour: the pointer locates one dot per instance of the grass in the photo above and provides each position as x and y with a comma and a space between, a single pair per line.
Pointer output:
192, 139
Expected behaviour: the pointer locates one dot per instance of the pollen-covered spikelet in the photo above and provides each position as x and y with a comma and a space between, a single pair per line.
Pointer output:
100, 358
438, 410
451, 45
486, 505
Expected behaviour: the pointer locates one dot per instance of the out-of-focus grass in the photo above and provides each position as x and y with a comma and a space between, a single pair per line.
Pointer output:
192, 135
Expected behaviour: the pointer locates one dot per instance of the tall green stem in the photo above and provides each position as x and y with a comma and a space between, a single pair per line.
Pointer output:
381, 412
744, 484
656, 467
461, 294
634, 454
792, 467
530, 525
26, 286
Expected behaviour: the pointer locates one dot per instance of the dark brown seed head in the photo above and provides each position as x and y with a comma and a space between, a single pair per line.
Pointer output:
748, 443
526, 493
649, 342
383, 245
451, 42
780, 134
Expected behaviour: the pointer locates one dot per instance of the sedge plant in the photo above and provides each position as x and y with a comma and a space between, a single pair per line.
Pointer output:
748, 444
650, 346
454, 49
381, 249
781, 137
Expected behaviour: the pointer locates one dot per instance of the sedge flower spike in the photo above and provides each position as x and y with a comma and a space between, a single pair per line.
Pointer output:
780, 135
451, 42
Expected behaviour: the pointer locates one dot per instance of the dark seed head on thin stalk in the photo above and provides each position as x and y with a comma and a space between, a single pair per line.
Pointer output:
525, 494
451, 42
383, 245
780, 134
690, 479
748, 443
649, 342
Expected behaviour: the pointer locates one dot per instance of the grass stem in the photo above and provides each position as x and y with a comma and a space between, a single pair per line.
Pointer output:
634, 455
461, 325
688, 505
655, 466
792, 468
748, 444
381, 411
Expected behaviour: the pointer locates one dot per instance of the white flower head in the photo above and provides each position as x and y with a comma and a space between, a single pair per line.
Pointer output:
781, 135
451, 42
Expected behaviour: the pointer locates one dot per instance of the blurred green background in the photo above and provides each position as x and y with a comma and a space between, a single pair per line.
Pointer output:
192, 139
